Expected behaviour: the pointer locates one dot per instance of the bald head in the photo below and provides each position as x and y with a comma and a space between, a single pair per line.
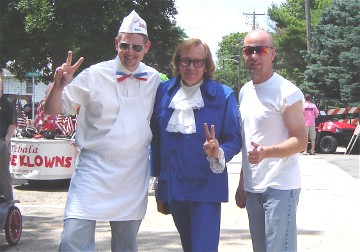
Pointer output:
258, 54
258, 38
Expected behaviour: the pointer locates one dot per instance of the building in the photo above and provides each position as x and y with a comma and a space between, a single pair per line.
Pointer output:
20, 90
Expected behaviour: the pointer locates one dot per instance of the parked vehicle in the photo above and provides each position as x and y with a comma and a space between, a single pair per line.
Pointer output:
335, 126
332, 134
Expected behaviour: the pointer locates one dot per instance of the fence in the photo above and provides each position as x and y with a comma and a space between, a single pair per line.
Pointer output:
351, 114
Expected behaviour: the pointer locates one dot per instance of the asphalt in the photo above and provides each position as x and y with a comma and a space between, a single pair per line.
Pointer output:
328, 215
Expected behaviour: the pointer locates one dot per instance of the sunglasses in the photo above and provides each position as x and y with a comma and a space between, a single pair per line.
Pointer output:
186, 62
250, 50
125, 46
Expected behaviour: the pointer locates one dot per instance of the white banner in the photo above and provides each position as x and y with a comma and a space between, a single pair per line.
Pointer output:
42, 159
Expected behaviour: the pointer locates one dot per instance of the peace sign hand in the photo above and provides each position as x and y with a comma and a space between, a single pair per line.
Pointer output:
211, 145
64, 73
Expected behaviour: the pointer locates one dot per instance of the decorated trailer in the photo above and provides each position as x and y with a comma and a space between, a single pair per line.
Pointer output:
40, 160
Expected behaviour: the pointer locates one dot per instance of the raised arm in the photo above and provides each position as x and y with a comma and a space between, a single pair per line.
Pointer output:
63, 76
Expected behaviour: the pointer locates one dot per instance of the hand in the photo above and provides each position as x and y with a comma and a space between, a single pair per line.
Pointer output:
211, 145
162, 207
257, 154
64, 74
240, 197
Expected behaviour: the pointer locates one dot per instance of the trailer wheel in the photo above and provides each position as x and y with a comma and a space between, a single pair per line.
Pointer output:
328, 144
13, 226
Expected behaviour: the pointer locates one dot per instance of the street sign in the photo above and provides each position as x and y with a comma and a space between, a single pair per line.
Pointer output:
32, 74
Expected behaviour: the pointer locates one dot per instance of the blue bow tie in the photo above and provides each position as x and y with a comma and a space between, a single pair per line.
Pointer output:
120, 76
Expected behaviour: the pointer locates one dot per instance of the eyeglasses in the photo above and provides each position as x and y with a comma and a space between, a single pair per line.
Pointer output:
249, 50
125, 46
186, 62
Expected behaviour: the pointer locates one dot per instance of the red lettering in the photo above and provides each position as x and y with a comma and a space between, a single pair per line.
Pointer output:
68, 162
22, 160
29, 164
13, 160
49, 162
59, 161
38, 161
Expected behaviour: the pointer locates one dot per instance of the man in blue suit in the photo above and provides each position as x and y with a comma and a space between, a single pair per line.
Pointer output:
196, 131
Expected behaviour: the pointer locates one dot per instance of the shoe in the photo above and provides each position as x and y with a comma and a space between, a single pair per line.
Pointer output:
304, 153
312, 154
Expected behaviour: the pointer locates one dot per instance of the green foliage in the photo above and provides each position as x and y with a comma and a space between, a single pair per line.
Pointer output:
36, 34
334, 69
230, 69
290, 36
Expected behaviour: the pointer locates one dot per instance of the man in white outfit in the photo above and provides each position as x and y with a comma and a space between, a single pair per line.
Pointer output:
110, 181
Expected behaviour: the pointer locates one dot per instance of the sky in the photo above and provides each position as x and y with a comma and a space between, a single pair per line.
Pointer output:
210, 20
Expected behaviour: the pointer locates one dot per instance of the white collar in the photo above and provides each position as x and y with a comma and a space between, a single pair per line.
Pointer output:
184, 101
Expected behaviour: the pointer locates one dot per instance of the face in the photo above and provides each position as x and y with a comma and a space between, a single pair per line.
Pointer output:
131, 49
258, 54
192, 65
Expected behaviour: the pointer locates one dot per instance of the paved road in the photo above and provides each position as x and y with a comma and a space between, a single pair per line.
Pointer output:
348, 163
328, 213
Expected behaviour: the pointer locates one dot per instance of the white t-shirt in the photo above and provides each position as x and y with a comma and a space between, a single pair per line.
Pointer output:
261, 116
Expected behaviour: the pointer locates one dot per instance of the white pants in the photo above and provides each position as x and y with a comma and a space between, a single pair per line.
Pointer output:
79, 235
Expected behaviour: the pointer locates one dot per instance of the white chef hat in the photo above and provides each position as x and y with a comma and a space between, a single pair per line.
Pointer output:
133, 23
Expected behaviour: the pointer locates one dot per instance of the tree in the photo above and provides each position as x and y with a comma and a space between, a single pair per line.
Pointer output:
231, 69
334, 69
290, 35
36, 34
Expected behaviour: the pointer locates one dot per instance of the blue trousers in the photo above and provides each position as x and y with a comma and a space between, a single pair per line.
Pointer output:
198, 224
272, 219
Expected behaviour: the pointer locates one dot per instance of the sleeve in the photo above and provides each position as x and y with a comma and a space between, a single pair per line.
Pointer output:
230, 137
155, 163
217, 165
290, 93
13, 113
155, 160
77, 92
294, 97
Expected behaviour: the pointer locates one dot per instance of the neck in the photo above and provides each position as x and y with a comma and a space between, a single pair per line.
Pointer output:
258, 79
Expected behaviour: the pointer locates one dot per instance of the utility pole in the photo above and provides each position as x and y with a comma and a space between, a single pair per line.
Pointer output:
308, 24
253, 14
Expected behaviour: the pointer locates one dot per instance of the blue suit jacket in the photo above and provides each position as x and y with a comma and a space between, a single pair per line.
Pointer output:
179, 159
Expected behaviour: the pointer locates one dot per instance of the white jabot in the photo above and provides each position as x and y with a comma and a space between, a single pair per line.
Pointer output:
184, 101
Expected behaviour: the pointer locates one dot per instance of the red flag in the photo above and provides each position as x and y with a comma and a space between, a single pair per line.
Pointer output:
60, 124
68, 125
22, 119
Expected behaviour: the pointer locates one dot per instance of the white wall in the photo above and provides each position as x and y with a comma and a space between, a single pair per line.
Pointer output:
14, 86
